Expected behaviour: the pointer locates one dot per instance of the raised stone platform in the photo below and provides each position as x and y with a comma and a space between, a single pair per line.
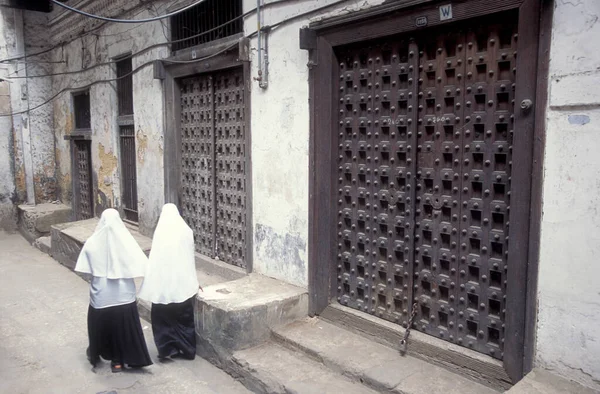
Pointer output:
312, 355
540, 381
35, 221
241, 313
68, 239
466, 362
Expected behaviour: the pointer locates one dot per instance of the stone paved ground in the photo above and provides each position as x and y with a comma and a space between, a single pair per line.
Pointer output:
43, 336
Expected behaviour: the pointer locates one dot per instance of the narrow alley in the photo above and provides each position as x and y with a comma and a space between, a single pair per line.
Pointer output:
43, 336
339, 196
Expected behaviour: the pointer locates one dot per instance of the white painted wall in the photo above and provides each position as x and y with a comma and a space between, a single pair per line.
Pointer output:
112, 41
7, 173
568, 334
280, 140
26, 140
39, 121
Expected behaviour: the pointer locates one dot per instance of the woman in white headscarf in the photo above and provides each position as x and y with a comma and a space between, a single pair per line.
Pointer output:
171, 283
113, 258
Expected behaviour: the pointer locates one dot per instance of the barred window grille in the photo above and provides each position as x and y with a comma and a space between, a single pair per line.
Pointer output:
125, 87
127, 139
206, 17
128, 172
81, 109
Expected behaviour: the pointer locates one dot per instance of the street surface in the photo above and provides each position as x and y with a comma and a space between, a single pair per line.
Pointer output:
43, 336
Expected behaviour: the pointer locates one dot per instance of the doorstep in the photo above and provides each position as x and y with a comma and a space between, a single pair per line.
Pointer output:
463, 361
240, 314
67, 239
540, 381
35, 221
313, 355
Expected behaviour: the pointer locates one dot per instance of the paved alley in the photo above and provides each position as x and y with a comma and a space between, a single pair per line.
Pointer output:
43, 336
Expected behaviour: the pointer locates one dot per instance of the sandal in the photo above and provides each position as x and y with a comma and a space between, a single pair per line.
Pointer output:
116, 367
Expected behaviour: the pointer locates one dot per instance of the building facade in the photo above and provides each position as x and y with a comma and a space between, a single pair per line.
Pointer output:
384, 155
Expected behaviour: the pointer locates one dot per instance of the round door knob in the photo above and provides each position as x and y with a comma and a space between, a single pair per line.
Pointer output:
526, 105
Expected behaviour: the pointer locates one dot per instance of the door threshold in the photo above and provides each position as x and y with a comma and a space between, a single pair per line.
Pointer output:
458, 359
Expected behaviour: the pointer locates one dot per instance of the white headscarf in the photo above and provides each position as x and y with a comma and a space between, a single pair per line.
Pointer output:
171, 276
112, 252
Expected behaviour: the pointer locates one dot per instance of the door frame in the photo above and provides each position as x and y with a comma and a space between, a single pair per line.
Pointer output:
222, 55
76, 193
320, 39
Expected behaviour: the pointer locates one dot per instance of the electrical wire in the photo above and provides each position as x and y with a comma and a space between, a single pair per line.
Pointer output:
62, 43
135, 70
103, 18
288, 20
141, 51
165, 43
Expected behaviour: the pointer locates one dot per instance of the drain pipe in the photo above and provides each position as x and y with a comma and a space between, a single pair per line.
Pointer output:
262, 81
265, 77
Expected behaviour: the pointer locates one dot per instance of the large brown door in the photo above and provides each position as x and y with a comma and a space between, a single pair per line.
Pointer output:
213, 169
425, 160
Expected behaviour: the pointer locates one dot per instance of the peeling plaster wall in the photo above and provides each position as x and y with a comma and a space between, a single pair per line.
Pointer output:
40, 120
279, 130
280, 137
27, 172
8, 216
111, 41
568, 338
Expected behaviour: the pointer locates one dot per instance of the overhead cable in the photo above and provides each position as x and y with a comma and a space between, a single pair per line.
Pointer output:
103, 18
140, 52
290, 19
134, 71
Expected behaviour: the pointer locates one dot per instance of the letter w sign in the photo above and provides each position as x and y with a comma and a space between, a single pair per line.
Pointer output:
445, 12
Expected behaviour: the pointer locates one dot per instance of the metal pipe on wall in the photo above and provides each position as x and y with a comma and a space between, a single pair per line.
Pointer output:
262, 77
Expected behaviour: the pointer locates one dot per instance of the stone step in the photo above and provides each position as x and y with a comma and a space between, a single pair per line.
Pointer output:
540, 381
43, 244
35, 221
460, 360
270, 368
240, 314
375, 365
66, 241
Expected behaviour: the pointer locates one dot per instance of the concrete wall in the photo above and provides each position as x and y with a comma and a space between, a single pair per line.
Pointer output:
39, 120
280, 137
568, 338
26, 140
7, 173
279, 127
114, 40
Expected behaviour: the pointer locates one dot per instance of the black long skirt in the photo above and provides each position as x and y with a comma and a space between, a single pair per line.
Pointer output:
173, 329
115, 334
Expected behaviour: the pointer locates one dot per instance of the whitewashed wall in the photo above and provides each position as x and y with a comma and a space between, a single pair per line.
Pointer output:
112, 41
7, 173
280, 137
27, 172
568, 334
280, 126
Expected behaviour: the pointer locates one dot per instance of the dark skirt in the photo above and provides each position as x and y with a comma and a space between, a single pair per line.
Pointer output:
115, 334
173, 328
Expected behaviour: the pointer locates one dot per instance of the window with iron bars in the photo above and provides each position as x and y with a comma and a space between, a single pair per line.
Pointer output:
200, 24
127, 139
81, 109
